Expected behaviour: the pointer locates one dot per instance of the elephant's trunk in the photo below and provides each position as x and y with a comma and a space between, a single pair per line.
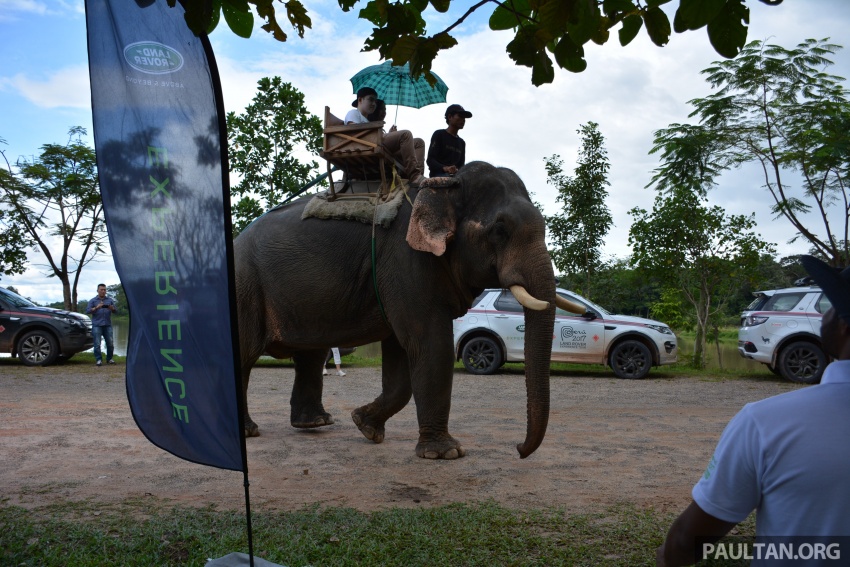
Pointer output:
538, 300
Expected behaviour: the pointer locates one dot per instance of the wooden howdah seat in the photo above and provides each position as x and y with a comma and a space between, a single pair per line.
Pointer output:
357, 150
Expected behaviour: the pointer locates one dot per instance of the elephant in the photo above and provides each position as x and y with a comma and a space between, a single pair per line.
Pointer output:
303, 286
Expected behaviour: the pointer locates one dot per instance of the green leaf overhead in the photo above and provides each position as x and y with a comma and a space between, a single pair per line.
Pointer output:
582, 23
728, 31
631, 27
401, 31
509, 15
614, 8
694, 14
238, 16
542, 71
570, 56
297, 15
657, 26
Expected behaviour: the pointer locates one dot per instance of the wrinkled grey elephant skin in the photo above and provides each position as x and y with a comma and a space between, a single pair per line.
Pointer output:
306, 285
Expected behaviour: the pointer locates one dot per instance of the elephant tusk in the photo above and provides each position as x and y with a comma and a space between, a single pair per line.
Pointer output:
527, 300
570, 306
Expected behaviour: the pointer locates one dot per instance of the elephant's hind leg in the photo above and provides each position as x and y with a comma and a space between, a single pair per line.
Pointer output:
306, 401
251, 428
395, 394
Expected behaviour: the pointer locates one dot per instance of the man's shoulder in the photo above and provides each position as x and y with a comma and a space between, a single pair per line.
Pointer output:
354, 115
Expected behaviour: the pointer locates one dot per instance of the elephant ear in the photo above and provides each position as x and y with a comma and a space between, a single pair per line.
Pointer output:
432, 222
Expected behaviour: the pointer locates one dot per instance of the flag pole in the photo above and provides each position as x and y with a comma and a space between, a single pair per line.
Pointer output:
234, 332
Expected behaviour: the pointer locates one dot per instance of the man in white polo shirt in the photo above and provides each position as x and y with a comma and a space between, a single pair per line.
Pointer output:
786, 457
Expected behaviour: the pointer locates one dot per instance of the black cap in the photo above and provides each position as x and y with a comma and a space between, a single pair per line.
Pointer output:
457, 109
363, 91
834, 283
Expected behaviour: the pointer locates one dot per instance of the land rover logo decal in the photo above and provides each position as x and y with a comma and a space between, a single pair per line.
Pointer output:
521, 328
153, 58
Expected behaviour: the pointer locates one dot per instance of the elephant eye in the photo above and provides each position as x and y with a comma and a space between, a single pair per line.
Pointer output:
499, 232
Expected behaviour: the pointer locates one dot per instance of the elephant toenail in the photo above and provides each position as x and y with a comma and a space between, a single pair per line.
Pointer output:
431, 455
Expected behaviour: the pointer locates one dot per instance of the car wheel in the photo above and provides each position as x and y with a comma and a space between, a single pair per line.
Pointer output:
38, 348
802, 362
481, 356
630, 360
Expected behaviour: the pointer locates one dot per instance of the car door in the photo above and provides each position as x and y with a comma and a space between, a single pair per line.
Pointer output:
507, 320
577, 339
10, 323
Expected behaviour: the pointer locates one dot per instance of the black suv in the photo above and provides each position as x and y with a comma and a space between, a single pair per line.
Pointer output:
40, 335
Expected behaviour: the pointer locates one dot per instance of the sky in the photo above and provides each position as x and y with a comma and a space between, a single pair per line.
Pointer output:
629, 91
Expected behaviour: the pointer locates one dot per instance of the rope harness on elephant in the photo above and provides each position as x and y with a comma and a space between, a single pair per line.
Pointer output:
394, 185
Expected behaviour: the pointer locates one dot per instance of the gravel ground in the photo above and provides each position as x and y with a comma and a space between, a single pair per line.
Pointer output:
66, 433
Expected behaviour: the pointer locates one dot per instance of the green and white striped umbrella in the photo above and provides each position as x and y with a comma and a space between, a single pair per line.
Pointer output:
395, 85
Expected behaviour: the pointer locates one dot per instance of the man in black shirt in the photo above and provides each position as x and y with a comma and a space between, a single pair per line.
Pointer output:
447, 152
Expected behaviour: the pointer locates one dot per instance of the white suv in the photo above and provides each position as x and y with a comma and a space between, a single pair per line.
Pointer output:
781, 329
493, 332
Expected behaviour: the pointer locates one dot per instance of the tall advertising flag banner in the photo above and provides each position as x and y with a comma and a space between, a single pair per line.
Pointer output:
160, 139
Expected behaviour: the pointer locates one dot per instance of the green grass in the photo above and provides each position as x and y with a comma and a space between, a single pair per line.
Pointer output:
725, 334
142, 533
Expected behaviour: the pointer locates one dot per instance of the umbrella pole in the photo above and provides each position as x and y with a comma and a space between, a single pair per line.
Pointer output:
395, 121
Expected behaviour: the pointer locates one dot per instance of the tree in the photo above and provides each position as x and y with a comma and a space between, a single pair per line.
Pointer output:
55, 196
263, 142
540, 27
116, 292
698, 250
578, 232
13, 238
778, 108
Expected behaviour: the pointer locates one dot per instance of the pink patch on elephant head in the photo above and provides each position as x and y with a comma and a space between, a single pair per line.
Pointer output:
432, 223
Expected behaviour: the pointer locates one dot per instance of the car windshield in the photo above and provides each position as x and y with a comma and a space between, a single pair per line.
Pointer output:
582, 301
15, 299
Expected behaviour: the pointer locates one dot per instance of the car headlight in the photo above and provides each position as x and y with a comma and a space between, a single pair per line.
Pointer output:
74, 322
661, 329
752, 321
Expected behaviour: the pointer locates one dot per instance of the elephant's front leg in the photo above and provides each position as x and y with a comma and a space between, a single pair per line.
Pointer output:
432, 372
306, 401
395, 392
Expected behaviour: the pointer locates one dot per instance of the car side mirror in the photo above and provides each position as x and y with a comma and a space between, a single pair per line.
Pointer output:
590, 315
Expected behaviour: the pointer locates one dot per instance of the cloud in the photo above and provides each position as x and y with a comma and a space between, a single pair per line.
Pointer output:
13, 10
65, 88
